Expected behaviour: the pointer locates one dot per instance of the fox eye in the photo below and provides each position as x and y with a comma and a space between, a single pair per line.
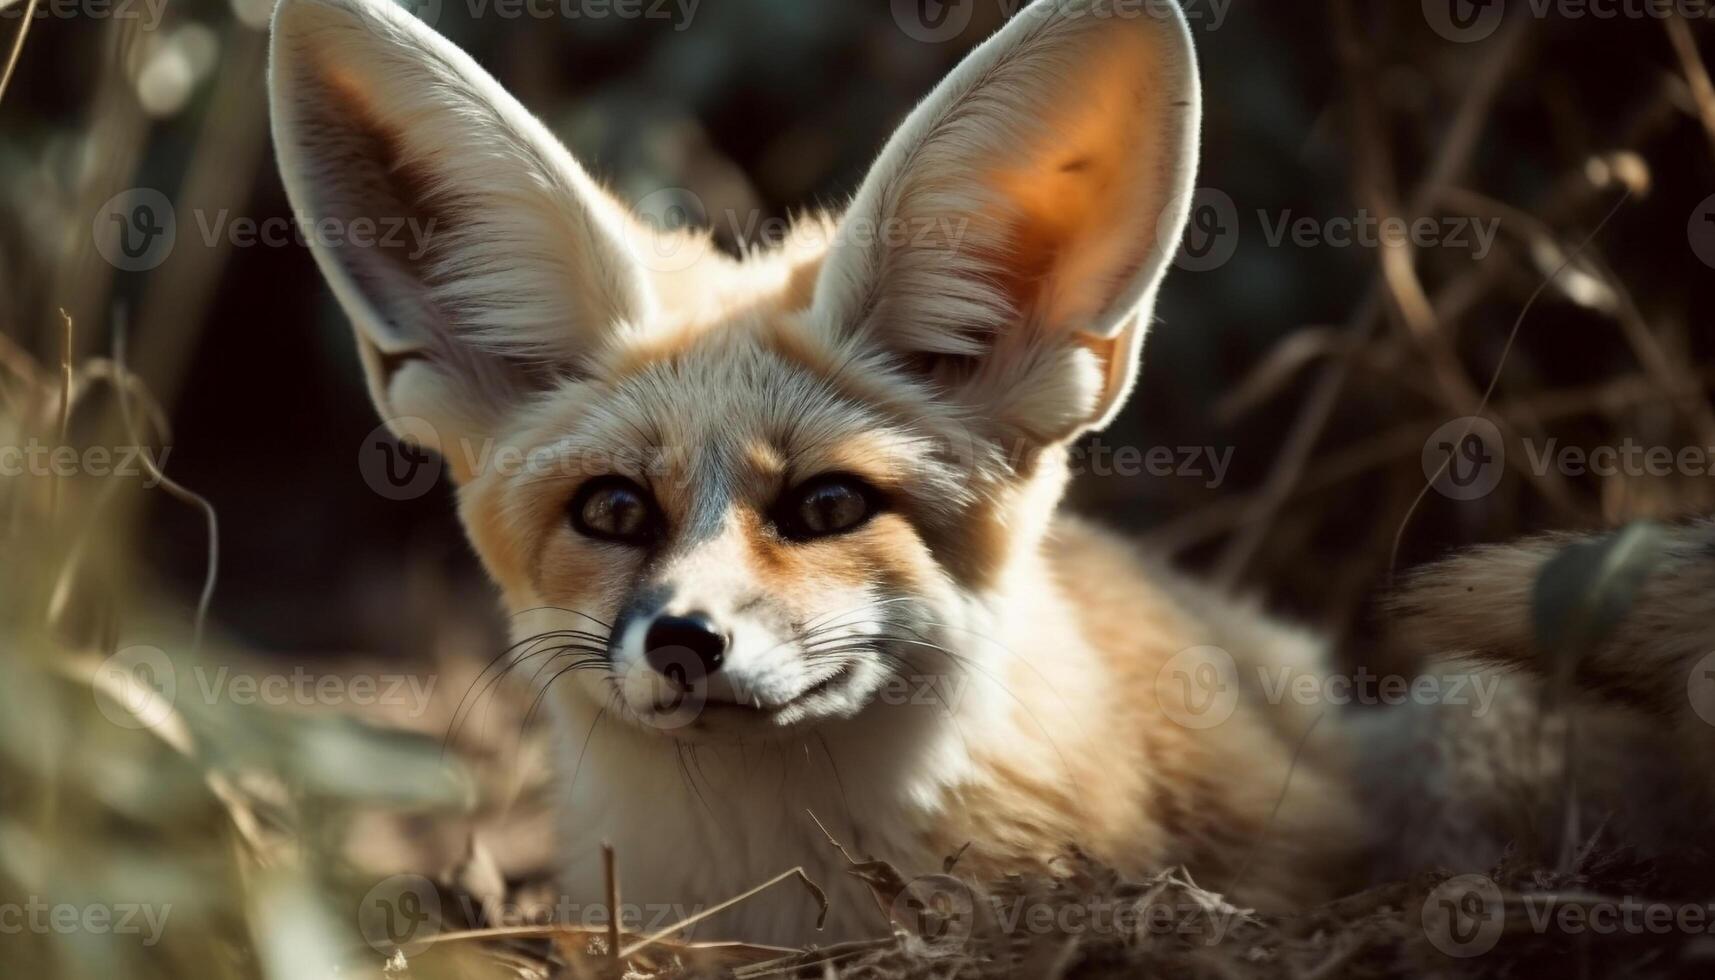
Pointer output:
614, 509
828, 505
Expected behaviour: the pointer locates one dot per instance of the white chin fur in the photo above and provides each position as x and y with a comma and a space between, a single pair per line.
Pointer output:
787, 697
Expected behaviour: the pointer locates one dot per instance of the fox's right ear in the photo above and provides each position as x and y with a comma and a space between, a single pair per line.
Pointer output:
477, 261
1009, 242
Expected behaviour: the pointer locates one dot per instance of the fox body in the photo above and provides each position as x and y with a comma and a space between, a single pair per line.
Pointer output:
786, 541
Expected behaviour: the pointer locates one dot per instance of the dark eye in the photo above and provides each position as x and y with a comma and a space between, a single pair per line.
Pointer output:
829, 505
614, 509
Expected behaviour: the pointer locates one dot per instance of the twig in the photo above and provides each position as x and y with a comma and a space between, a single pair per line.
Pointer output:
553, 930
1360, 457
612, 883
1696, 75
1290, 466
81, 277
232, 140
14, 359
1401, 284
1277, 369
211, 518
1512, 338
65, 417
17, 47
838, 952
1643, 341
831, 838
686, 923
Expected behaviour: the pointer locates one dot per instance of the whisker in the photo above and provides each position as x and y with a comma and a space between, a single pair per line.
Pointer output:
458, 709
578, 767
824, 621
455, 723
575, 612
479, 689
566, 650
697, 763
536, 703
685, 774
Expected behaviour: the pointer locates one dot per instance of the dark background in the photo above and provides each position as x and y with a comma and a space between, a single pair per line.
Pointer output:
772, 106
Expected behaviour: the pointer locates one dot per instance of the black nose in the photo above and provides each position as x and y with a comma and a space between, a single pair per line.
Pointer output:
668, 636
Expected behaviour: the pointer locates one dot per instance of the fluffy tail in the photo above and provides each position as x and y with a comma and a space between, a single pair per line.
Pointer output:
1630, 619
1653, 645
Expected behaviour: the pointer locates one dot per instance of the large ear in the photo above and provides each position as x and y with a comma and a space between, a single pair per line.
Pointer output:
476, 259
1010, 240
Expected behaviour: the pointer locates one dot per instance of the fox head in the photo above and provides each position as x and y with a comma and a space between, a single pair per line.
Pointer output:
773, 484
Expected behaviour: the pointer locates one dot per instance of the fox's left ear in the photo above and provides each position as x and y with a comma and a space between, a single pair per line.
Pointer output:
1011, 238
477, 261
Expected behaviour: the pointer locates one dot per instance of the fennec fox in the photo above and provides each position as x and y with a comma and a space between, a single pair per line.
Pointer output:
783, 529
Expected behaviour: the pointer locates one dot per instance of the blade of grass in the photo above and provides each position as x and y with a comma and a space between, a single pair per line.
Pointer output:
686, 923
17, 47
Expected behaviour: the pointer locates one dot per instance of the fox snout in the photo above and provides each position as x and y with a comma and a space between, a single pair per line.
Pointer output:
708, 630
696, 634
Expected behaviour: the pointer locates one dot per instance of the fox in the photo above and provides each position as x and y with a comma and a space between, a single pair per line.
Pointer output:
783, 530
